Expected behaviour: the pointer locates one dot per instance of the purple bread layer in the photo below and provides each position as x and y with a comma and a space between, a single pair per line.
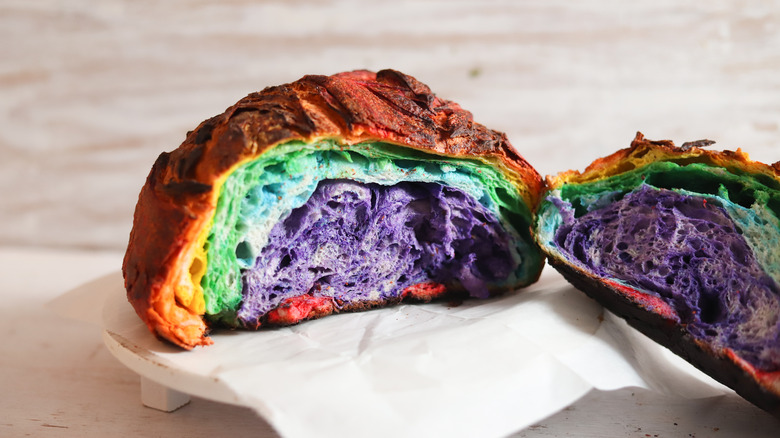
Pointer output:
367, 242
688, 251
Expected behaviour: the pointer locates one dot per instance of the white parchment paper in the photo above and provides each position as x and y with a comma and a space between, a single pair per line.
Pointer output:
482, 368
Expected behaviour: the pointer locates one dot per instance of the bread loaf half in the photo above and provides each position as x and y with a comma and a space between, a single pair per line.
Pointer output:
331, 193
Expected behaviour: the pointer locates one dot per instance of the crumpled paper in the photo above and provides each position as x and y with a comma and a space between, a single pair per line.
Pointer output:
481, 368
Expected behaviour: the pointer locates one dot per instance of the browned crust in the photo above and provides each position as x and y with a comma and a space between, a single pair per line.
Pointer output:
643, 151
179, 197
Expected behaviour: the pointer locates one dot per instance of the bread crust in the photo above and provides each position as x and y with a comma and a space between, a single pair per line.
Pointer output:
648, 314
643, 151
180, 194
759, 388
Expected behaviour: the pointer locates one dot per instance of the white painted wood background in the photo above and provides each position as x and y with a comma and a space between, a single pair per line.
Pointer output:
92, 91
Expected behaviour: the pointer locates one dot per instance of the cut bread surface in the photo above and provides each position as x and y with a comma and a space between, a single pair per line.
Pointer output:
686, 250
330, 193
358, 244
683, 245
293, 223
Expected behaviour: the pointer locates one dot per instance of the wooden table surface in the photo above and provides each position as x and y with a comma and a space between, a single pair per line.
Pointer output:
92, 91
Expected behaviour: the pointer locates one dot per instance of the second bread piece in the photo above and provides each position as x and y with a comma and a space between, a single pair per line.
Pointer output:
683, 243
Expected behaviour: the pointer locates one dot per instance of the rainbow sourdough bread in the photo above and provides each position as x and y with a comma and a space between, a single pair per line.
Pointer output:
683, 243
331, 193
358, 190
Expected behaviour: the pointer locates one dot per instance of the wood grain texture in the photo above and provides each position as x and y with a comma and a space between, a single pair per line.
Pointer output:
92, 91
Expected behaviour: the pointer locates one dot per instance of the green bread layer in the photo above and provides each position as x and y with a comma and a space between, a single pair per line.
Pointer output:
751, 200
262, 192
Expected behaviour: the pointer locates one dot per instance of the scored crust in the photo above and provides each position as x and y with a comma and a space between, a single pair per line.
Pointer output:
647, 313
180, 195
